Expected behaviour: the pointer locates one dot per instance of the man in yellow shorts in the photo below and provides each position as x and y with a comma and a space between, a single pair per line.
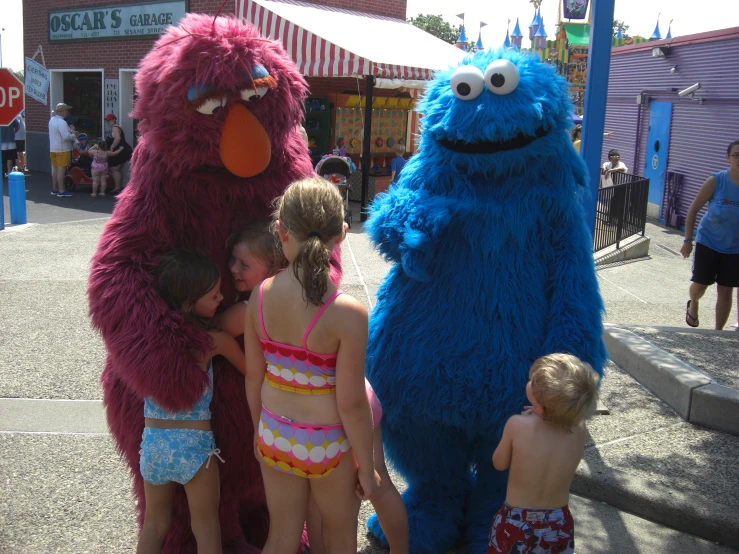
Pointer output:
61, 141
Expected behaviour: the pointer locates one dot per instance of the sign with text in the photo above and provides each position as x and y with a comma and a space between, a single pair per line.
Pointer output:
111, 97
37, 81
11, 97
116, 21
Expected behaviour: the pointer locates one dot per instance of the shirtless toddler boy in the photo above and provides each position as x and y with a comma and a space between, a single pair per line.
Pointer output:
543, 447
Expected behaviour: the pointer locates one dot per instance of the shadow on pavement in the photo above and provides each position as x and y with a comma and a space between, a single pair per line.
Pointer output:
42, 207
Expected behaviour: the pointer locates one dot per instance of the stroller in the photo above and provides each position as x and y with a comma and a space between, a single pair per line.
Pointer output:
337, 169
80, 172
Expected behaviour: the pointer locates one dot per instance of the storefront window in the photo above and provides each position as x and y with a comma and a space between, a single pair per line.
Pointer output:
83, 91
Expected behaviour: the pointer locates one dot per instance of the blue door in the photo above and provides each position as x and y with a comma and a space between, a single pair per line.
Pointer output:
658, 142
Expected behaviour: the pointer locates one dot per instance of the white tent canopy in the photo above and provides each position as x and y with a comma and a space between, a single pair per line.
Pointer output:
333, 42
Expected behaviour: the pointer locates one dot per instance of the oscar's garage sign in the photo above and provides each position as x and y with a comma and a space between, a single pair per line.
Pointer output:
116, 21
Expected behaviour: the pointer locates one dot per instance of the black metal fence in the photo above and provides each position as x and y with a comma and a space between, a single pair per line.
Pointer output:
621, 210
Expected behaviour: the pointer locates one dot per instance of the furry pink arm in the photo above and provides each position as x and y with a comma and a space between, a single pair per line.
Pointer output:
155, 349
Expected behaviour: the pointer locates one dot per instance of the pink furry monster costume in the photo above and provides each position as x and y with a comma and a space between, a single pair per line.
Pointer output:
219, 109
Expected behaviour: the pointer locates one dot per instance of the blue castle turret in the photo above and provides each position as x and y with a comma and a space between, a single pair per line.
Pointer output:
462, 40
656, 35
517, 36
540, 38
534, 27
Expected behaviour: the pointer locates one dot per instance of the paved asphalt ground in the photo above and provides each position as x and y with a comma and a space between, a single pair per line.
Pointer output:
64, 489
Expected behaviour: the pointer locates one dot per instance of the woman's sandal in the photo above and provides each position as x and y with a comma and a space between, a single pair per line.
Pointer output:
689, 317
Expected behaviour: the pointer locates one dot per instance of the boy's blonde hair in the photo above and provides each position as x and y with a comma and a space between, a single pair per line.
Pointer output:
400, 149
566, 387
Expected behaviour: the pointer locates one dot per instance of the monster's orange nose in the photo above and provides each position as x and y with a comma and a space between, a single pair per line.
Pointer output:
245, 147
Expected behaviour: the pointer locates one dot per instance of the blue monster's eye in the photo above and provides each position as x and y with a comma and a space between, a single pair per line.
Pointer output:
467, 82
501, 77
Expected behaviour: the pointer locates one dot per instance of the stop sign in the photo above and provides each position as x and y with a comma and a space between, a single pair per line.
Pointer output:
11, 97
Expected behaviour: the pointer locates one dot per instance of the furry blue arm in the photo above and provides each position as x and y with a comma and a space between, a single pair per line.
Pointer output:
404, 226
574, 315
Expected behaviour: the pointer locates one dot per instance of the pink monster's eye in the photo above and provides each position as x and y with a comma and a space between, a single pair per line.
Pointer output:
212, 105
250, 94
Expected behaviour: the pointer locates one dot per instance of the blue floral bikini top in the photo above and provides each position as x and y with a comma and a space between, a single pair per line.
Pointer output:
200, 411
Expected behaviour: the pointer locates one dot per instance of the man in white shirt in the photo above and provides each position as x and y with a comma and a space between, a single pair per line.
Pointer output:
61, 141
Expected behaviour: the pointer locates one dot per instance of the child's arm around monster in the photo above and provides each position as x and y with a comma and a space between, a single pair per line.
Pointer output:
155, 348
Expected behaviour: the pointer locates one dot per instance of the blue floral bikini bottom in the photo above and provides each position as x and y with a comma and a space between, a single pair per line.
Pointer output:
175, 454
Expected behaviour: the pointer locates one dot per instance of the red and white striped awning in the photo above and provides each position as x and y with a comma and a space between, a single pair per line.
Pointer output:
333, 42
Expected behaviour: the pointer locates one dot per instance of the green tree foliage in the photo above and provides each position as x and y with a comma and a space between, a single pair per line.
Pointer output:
619, 25
437, 26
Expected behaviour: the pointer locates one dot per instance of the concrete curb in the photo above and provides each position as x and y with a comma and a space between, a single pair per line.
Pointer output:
669, 329
11, 229
631, 249
658, 503
31, 415
694, 396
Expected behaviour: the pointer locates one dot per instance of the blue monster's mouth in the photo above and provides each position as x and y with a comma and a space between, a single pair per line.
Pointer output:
491, 147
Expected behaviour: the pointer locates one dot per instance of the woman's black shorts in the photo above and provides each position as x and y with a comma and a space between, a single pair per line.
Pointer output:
710, 266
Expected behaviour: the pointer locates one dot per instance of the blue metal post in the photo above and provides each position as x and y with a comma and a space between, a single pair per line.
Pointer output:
596, 92
2, 211
17, 195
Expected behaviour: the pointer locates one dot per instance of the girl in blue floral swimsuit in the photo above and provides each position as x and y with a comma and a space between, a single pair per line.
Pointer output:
176, 447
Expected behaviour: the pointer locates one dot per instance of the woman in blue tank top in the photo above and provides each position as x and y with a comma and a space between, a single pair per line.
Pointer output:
177, 447
716, 257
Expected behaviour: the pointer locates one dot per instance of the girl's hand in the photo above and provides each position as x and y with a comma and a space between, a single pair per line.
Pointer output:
686, 249
368, 483
527, 410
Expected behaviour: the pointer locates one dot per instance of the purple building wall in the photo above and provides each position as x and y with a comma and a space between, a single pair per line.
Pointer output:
699, 133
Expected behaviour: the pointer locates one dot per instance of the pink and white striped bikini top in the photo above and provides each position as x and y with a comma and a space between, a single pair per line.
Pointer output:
296, 369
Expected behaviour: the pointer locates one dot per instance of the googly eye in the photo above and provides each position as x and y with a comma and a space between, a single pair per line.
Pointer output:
250, 94
212, 105
467, 82
501, 77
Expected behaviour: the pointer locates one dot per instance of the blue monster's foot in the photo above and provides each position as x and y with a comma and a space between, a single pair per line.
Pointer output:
435, 519
478, 535
486, 496
373, 526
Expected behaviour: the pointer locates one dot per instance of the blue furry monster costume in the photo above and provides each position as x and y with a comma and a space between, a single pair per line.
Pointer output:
493, 269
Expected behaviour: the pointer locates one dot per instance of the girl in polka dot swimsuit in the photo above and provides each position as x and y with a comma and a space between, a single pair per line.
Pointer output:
256, 254
305, 348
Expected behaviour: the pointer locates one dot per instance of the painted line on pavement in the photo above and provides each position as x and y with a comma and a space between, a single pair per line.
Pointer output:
622, 439
359, 272
624, 290
13, 229
77, 221
54, 433
52, 399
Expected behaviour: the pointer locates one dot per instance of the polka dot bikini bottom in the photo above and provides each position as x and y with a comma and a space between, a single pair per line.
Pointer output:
311, 451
